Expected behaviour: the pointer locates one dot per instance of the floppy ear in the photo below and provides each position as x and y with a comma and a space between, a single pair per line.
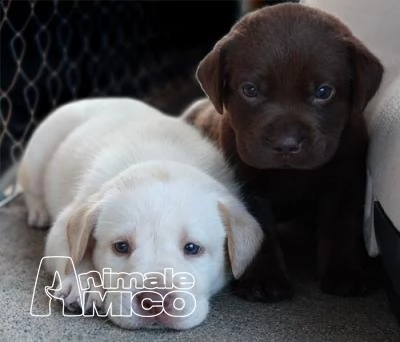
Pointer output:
210, 74
79, 229
368, 72
244, 235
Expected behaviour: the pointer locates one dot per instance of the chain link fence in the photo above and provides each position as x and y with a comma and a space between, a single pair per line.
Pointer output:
55, 51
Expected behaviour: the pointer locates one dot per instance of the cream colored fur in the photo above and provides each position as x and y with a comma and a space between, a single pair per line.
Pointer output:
107, 170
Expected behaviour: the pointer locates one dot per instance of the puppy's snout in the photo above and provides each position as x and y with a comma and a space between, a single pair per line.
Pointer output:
153, 302
287, 144
286, 137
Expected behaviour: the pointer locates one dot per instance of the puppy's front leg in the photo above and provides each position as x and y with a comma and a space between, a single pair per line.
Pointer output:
30, 177
341, 252
266, 279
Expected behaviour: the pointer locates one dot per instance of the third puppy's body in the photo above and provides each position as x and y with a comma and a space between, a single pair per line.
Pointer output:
287, 87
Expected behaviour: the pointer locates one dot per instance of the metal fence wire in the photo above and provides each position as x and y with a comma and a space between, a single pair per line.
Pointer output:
55, 51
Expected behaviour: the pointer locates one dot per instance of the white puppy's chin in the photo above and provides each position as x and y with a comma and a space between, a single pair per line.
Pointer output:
162, 320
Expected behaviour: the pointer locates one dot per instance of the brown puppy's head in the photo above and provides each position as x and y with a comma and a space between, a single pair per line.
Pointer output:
289, 78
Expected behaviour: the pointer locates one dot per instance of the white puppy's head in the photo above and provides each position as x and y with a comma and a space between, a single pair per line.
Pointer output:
169, 230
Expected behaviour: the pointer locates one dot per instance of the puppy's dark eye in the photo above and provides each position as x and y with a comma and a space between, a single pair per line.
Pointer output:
191, 249
249, 90
324, 93
122, 247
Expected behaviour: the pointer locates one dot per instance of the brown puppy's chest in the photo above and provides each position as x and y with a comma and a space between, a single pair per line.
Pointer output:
289, 193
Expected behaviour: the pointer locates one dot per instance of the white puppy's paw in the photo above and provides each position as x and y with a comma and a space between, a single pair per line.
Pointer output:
93, 295
73, 296
68, 292
38, 216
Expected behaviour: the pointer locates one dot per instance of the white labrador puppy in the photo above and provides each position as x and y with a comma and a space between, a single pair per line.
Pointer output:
129, 190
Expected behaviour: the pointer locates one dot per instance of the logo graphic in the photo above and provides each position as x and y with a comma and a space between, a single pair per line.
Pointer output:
155, 290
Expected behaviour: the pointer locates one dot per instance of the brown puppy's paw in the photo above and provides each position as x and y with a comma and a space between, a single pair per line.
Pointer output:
344, 283
263, 288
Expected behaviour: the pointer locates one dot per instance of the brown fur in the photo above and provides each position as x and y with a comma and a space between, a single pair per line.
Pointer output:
289, 51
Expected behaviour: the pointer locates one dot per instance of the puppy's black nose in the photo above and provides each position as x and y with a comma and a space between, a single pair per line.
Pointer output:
286, 145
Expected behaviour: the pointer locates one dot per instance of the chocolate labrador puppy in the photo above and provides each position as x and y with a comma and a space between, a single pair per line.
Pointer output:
287, 87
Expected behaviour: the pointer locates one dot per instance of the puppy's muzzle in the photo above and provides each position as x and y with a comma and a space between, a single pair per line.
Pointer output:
287, 145
286, 139
153, 302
